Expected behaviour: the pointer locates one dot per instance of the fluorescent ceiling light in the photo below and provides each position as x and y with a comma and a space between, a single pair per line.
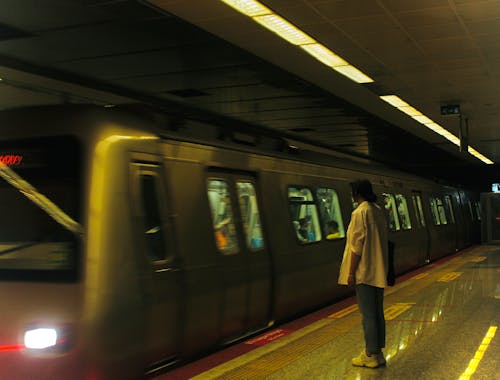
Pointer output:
451, 137
480, 156
394, 101
435, 127
289, 32
401, 105
353, 73
409, 110
248, 7
323, 54
422, 119
284, 29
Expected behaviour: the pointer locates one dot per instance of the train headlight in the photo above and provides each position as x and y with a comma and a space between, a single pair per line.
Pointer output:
40, 338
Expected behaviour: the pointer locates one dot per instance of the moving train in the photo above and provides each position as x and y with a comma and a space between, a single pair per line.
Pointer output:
127, 246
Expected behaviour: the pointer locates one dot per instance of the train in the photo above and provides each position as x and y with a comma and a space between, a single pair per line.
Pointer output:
130, 244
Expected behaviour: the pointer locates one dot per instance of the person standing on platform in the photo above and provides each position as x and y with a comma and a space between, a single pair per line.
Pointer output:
365, 265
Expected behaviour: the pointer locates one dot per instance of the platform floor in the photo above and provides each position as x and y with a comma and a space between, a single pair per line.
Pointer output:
441, 323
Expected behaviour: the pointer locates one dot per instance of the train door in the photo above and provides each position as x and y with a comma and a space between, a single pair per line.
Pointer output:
161, 278
450, 212
491, 204
243, 256
421, 227
466, 216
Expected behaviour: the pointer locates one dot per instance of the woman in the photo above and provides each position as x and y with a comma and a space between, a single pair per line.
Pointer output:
365, 265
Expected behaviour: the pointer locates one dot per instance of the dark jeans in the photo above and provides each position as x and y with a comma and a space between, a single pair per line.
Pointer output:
371, 306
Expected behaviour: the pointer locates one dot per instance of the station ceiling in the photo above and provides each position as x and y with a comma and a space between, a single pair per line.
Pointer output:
203, 59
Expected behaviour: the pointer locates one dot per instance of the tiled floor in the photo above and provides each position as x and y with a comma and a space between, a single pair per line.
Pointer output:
440, 325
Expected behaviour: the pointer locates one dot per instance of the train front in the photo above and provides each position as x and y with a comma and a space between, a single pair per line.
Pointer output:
40, 258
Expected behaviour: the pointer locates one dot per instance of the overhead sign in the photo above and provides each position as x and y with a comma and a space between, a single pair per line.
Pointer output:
452, 109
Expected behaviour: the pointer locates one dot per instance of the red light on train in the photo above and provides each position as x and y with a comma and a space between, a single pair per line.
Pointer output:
14, 347
11, 159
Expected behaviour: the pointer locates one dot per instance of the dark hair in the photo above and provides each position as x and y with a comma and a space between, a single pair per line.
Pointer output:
332, 224
363, 188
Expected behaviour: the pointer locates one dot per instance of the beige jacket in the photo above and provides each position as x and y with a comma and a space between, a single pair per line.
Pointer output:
367, 237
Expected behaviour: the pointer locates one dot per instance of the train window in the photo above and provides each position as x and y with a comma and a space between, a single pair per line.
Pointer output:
417, 204
470, 210
391, 209
441, 211
449, 208
478, 210
304, 214
35, 238
403, 213
153, 232
250, 215
222, 217
329, 211
434, 211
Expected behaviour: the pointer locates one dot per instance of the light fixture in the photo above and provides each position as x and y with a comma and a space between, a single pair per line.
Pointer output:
410, 111
422, 119
284, 29
323, 54
401, 105
248, 7
394, 101
479, 156
353, 73
289, 32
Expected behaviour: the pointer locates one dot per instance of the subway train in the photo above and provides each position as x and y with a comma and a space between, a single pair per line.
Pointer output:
130, 244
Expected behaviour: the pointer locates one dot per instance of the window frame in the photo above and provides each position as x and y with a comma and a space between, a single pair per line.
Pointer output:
339, 220
441, 211
233, 228
317, 227
418, 208
449, 207
395, 214
404, 203
248, 243
153, 169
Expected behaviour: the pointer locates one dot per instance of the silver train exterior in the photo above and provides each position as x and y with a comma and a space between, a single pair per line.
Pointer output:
112, 265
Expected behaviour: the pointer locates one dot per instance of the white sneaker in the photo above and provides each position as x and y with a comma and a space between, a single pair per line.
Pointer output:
364, 360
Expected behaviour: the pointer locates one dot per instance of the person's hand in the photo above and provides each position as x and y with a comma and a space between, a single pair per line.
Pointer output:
350, 280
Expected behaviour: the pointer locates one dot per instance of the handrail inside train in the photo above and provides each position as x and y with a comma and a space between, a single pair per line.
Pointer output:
40, 200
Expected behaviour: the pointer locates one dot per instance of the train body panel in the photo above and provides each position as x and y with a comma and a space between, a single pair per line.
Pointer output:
164, 247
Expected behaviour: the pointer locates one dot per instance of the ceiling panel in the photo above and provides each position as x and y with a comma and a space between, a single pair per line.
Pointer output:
479, 10
433, 32
200, 56
425, 17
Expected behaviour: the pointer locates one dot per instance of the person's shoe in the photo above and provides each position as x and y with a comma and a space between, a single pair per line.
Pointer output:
381, 358
364, 360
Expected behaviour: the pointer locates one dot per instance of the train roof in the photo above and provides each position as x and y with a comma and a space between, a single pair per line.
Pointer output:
85, 121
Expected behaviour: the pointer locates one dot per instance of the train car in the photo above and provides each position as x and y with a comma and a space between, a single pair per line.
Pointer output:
128, 247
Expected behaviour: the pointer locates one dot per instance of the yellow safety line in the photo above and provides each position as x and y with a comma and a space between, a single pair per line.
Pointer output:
419, 276
397, 309
479, 353
260, 352
477, 259
450, 276
344, 312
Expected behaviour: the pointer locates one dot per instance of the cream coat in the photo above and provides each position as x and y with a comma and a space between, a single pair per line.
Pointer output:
367, 237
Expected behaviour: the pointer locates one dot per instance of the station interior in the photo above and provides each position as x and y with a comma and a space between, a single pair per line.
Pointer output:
412, 85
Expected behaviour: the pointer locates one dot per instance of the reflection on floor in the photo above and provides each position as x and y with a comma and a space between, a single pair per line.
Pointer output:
441, 324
